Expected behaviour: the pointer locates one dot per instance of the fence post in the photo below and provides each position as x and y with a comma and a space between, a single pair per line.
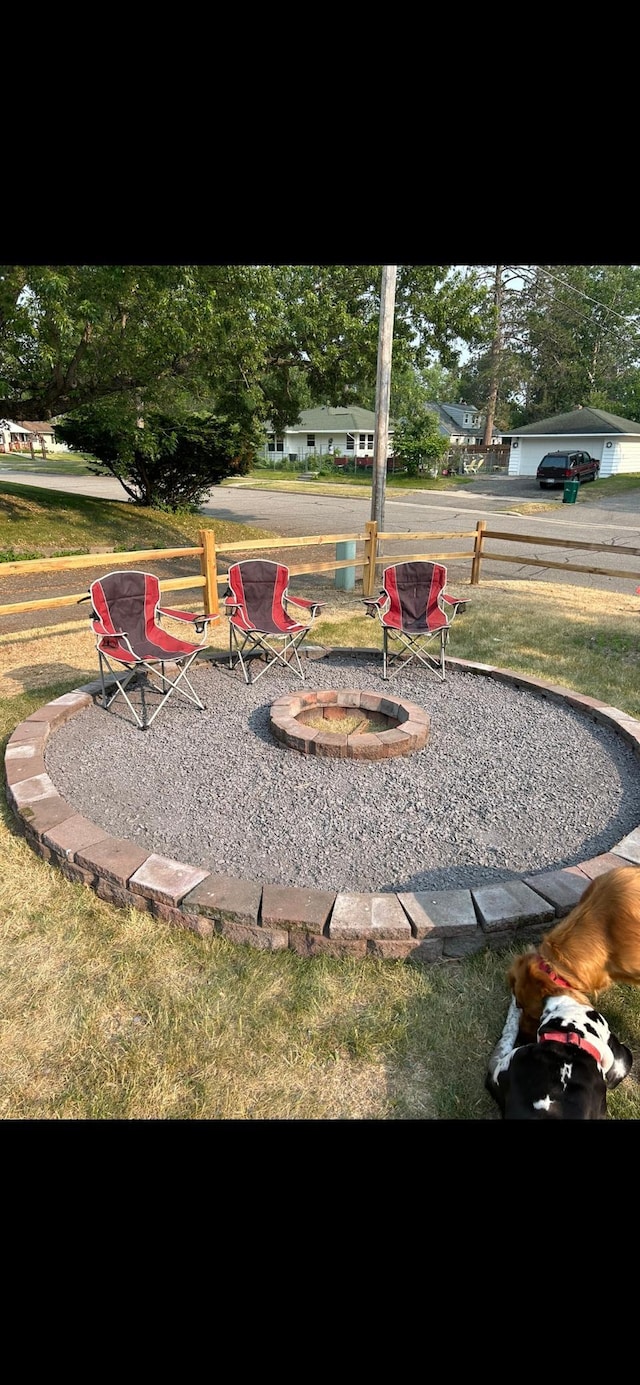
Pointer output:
477, 552
208, 568
370, 554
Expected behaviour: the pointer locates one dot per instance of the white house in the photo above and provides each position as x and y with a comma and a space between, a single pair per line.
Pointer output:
349, 433
14, 437
346, 432
614, 441
28, 437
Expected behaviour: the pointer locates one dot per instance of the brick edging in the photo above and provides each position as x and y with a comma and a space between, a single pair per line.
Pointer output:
427, 926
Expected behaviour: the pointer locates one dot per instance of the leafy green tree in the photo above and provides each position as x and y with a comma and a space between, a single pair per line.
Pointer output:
569, 337
71, 335
413, 389
272, 338
167, 461
583, 328
417, 441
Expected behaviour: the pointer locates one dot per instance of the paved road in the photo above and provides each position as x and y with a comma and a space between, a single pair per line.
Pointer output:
492, 499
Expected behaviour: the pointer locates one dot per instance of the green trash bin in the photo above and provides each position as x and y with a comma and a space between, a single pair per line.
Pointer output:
570, 492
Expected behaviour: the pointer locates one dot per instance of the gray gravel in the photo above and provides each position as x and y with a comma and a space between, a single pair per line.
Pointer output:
509, 784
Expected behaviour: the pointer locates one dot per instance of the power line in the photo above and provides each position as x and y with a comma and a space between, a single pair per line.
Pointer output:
523, 270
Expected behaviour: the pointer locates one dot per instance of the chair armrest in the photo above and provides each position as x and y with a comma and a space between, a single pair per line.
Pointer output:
199, 622
374, 604
186, 615
100, 629
312, 606
460, 602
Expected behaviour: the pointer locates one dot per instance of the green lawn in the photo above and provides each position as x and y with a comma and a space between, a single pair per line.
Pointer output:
35, 522
58, 463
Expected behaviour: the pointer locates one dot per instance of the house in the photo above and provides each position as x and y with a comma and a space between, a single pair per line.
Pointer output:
29, 437
614, 441
462, 424
342, 433
348, 434
14, 437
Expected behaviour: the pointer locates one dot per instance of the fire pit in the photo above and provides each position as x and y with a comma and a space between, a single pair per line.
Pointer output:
349, 725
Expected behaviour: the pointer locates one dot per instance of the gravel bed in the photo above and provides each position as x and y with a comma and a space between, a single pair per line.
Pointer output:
509, 784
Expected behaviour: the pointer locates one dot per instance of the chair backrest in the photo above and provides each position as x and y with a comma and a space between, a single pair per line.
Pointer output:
127, 601
414, 590
259, 586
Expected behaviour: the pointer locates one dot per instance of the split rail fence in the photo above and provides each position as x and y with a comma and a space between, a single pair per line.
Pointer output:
371, 557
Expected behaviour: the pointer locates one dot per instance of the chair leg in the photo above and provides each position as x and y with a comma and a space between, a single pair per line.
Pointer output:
172, 687
167, 686
287, 656
121, 684
409, 650
234, 644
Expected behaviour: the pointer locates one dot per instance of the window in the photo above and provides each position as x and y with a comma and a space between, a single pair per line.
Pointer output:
350, 442
311, 441
370, 441
279, 445
274, 444
361, 442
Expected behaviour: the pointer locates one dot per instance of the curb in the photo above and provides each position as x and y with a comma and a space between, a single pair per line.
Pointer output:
427, 927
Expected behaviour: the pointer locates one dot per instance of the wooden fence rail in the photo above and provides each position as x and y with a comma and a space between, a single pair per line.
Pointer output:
209, 579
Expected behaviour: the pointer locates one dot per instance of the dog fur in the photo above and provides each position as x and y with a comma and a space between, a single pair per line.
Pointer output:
557, 1078
596, 945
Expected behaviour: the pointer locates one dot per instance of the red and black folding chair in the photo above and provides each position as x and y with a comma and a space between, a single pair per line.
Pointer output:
126, 620
414, 610
257, 604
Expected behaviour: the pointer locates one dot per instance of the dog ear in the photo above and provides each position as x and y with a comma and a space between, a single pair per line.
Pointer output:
530, 986
622, 1062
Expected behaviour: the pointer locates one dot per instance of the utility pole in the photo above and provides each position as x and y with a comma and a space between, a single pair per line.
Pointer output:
383, 390
496, 352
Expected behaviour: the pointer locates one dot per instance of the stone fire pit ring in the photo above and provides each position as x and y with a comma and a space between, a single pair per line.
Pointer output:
407, 725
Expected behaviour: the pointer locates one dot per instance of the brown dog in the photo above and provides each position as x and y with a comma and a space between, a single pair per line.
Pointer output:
597, 944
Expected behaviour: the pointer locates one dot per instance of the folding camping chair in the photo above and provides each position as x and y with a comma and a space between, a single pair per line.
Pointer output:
125, 617
256, 603
413, 610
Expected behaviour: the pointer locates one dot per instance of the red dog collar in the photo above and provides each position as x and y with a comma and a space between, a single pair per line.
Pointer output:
568, 1037
544, 966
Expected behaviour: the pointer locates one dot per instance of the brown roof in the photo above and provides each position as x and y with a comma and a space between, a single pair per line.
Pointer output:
35, 427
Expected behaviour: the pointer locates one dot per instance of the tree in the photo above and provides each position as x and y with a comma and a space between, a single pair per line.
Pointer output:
491, 379
417, 441
413, 389
565, 335
71, 335
272, 338
167, 461
584, 346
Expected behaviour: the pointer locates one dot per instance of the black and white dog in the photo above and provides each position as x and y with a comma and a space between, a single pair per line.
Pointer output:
566, 1073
